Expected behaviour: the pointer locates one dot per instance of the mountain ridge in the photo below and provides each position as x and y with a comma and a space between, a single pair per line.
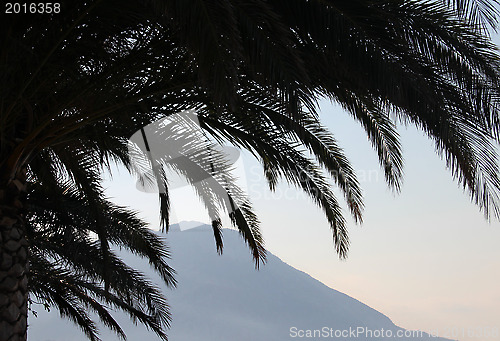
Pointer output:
222, 297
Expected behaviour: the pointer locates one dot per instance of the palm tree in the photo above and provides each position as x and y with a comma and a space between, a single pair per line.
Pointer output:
75, 273
77, 84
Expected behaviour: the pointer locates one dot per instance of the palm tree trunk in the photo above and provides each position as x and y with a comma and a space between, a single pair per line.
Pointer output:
13, 261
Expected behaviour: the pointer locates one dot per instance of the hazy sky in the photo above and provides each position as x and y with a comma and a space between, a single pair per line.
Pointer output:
427, 257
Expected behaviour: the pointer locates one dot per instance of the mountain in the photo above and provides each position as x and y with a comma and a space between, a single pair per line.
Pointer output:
223, 298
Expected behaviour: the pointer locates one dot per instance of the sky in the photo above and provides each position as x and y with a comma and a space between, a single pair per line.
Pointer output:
425, 257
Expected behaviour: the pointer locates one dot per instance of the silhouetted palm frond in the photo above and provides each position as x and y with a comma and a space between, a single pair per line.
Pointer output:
70, 269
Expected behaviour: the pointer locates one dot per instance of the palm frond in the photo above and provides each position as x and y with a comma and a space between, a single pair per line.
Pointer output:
69, 266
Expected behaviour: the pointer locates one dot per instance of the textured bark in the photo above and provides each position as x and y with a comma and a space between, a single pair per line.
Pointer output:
13, 261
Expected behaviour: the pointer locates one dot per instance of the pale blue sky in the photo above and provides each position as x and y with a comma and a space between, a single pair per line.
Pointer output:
427, 258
